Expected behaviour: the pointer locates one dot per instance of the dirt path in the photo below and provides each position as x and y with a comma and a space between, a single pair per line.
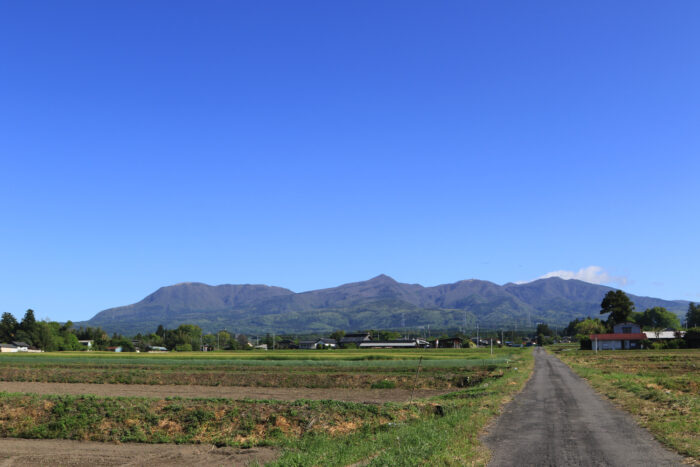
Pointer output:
559, 420
228, 392
42, 452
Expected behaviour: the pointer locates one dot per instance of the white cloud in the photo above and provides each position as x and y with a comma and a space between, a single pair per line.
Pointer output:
592, 274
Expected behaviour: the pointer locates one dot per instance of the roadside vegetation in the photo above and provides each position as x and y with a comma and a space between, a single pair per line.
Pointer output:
661, 388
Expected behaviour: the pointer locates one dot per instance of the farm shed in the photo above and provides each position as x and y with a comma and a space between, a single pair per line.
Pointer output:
86, 343
449, 343
666, 334
327, 342
625, 336
7, 348
318, 344
395, 344
355, 338
21, 346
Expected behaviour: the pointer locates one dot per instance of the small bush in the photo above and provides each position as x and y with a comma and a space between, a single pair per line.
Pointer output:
384, 384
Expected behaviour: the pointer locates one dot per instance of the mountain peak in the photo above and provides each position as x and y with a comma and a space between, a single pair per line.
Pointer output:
382, 278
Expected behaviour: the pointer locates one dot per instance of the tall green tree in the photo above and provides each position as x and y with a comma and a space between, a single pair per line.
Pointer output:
8, 327
44, 337
692, 318
589, 326
28, 323
658, 318
337, 335
570, 329
618, 306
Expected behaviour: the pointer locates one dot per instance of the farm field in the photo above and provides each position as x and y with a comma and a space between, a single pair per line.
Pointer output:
458, 391
661, 388
352, 369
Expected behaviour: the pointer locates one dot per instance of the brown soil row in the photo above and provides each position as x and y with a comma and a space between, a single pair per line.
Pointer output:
31, 452
225, 392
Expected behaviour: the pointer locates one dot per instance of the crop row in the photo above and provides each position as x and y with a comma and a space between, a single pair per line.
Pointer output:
286, 379
211, 421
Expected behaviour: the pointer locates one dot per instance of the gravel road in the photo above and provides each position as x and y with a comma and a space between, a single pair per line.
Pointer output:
558, 420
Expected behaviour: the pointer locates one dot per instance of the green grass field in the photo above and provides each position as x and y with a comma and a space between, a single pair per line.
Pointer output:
661, 388
441, 430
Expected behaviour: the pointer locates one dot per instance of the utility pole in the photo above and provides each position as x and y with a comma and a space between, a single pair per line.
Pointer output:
477, 336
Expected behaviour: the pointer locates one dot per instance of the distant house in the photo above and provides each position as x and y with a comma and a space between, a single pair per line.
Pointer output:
449, 343
4, 348
395, 344
114, 349
355, 339
318, 344
157, 348
21, 346
261, 347
326, 342
625, 336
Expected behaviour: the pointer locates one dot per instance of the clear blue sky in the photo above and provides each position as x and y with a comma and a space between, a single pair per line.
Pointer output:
308, 144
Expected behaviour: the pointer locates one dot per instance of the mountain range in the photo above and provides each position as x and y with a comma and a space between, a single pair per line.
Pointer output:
378, 303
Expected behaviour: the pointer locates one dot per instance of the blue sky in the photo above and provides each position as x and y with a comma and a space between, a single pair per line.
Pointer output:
308, 144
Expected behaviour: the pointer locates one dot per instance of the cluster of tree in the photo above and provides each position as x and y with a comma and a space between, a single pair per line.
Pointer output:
620, 309
187, 337
50, 335
692, 318
580, 329
545, 336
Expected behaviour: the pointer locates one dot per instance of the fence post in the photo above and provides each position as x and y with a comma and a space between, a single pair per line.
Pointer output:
415, 380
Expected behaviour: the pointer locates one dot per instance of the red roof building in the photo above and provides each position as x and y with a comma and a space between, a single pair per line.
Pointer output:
625, 336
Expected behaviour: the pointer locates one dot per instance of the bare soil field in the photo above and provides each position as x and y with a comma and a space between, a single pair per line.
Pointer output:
223, 392
277, 409
41, 452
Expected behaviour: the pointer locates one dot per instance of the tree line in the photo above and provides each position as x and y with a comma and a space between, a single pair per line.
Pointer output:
51, 335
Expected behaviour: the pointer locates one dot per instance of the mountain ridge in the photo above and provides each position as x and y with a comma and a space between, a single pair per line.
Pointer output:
380, 302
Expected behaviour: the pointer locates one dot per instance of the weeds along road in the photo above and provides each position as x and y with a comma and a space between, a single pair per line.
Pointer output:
558, 420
